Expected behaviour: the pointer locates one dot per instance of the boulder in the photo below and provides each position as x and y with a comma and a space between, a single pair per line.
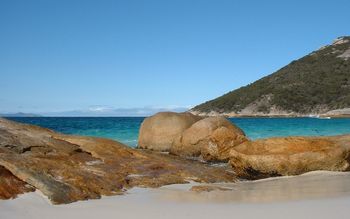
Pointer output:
210, 139
159, 131
69, 168
290, 156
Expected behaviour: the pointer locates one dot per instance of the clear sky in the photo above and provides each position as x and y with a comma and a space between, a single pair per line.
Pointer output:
67, 55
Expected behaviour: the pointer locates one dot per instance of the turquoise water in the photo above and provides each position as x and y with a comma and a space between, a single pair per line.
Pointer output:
125, 129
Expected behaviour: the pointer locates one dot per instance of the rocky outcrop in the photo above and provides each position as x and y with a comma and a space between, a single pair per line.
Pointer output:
70, 168
11, 186
210, 139
159, 131
337, 113
290, 156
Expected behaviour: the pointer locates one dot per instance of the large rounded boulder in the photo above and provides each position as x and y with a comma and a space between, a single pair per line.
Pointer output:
290, 156
209, 139
159, 131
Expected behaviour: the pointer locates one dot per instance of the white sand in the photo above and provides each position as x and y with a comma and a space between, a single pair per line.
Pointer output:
314, 195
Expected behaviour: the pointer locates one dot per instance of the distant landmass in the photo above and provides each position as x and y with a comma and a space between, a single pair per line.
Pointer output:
318, 84
20, 114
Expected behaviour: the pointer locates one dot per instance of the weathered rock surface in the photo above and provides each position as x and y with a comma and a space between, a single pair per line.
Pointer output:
210, 138
159, 131
70, 168
11, 186
290, 156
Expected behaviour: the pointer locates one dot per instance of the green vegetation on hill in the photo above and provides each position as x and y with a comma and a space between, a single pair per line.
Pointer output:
315, 83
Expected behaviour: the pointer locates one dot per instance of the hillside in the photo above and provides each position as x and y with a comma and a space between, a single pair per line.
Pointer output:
20, 114
315, 84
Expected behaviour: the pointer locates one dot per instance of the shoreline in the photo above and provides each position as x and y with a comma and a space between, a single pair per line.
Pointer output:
322, 194
279, 116
284, 116
203, 114
272, 196
330, 114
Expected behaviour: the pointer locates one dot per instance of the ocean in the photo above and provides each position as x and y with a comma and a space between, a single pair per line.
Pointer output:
125, 129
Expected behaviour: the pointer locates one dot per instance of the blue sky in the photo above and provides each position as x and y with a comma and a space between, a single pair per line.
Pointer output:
82, 56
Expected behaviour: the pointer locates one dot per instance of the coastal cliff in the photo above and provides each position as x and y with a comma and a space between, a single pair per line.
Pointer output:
318, 84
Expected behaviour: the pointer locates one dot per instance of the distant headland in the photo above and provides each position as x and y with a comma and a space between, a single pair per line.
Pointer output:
317, 85
19, 114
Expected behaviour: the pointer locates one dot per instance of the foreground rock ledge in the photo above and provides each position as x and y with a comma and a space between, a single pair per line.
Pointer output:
70, 168
11, 186
290, 156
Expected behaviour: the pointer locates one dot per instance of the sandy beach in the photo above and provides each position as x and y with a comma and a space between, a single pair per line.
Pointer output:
313, 195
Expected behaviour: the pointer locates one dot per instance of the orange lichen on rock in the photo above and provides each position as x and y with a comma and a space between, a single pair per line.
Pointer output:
290, 156
11, 186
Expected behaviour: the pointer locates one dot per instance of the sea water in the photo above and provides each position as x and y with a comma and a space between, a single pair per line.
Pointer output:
125, 129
